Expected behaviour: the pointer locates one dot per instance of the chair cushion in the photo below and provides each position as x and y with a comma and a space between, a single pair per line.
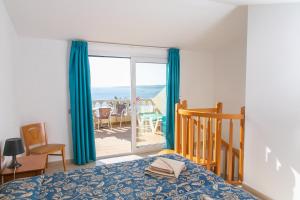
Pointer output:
48, 148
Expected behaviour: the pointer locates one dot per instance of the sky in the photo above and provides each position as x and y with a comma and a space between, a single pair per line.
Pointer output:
112, 72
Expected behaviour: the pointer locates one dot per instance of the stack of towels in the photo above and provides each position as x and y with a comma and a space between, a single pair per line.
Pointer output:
165, 167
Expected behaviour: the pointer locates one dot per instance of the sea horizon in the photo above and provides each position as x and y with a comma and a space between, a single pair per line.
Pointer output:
123, 92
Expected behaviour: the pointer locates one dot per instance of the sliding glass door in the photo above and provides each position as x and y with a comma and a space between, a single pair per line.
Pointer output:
111, 100
129, 104
149, 100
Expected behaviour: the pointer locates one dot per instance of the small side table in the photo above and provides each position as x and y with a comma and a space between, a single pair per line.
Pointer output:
32, 165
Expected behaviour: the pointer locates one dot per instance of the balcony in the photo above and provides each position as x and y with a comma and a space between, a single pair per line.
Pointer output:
113, 130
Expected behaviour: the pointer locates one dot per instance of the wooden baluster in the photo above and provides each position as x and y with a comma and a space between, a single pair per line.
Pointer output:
209, 145
233, 166
241, 153
204, 140
218, 140
187, 134
198, 140
229, 156
225, 162
214, 140
191, 138
218, 146
210, 138
177, 129
184, 136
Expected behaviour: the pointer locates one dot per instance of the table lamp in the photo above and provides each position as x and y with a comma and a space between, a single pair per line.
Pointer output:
13, 147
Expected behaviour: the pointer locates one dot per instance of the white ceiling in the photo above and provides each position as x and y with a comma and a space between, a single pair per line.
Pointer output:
188, 24
256, 2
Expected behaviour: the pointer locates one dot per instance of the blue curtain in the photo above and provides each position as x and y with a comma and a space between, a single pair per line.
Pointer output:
81, 104
173, 84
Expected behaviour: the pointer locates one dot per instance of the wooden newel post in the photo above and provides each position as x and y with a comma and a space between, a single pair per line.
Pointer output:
230, 152
184, 129
184, 104
242, 138
218, 139
177, 129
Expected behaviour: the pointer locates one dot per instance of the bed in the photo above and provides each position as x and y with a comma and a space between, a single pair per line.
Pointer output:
125, 180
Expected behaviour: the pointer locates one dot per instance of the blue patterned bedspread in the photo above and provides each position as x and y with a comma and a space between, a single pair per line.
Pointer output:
125, 180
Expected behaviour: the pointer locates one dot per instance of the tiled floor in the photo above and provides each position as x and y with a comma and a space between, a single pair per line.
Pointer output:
117, 140
57, 166
113, 141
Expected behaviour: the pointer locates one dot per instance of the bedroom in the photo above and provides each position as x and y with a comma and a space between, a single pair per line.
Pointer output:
240, 53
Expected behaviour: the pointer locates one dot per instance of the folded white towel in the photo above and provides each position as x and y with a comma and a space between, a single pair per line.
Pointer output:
205, 197
166, 167
175, 165
161, 165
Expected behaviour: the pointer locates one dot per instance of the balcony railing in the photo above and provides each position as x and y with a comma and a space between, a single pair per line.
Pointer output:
112, 104
142, 106
149, 116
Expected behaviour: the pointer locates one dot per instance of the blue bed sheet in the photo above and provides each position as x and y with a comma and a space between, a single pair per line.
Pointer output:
126, 180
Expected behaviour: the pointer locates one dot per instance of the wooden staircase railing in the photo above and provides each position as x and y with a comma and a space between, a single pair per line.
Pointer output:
198, 137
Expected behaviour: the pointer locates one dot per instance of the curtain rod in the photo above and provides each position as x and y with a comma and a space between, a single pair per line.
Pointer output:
124, 44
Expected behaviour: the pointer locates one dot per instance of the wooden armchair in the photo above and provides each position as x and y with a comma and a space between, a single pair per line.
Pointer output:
35, 139
105, 115
120, 112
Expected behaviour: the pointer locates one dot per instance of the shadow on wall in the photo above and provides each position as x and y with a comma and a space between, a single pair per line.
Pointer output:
278, 167
230, 28
279, 157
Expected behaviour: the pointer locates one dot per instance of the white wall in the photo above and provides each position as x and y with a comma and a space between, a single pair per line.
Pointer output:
8, 46
230, 75
230, 82
230, 66
197, 84
42, 87
42, 84
272, 147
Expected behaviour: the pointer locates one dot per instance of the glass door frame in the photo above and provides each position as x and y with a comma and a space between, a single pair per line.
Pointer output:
136, 54
133, 62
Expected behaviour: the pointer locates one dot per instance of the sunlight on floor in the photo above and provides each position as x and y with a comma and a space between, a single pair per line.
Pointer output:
118, 159
118, 140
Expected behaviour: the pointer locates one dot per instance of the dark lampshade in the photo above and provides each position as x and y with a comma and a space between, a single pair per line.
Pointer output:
13, 146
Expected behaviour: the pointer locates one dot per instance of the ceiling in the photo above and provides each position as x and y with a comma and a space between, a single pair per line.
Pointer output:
256, 2
187, 24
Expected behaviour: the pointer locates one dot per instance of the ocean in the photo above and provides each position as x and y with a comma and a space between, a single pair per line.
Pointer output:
123, 92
